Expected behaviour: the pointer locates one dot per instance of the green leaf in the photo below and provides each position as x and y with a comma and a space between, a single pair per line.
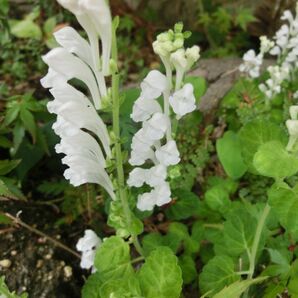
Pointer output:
4, 220
218, 272
161, 276
29, 122
217, 199
256, 133
244, 17
11, 114
92, 286
49, 25
4, 291
272, 160
239, 231
121, 288
7, 166
237, 288
229, 153
188, 267
26, 29
199, 84
284, 202
186, 205
112, 259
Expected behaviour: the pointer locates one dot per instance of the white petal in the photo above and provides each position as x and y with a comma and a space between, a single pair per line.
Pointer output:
156, 175
144, 108
146, 201
183, 101
52, 78
71, 40
292, 126
70, 66
156, 127
137, 177
90, 241
154, 85
168, 154
163, 194
87, 259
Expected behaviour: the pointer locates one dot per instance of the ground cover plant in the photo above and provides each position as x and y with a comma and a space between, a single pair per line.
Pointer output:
170, 204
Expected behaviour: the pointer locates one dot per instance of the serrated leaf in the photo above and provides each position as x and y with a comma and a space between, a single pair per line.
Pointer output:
218, 273
239, 287
272, 160
7, 166
11, 114
185, 206
188, 267
112, 259
244, 17
239, 230
92, 286
229, 153
284, 202
161, 276
49, 25
256, 133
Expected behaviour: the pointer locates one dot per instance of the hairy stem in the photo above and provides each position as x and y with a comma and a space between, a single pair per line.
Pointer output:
118, 150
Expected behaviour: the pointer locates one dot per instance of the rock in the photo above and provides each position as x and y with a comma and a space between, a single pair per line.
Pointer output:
5, 263
67, 270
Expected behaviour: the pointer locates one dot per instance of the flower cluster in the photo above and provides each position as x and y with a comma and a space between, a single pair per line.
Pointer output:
78, 124
285, 46
88, 245
154, 140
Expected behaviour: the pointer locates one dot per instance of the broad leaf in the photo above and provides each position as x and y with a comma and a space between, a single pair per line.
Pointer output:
161, 276
256, 133
26, 29
217, 198
112, 259
218, 272
188, 267
272, 160
229, 153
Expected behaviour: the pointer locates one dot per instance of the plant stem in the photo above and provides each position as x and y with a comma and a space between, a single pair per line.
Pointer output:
118, 152
254, 249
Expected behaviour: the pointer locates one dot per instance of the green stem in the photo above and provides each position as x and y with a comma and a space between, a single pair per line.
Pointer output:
118, 150
254, 250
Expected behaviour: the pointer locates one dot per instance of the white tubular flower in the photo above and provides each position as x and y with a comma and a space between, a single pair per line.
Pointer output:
251, 64
63, 62
144, 108
156, 127
156, 175
88, 245
140, 143
163, 194
71, 40
137, 177
168, 154
193, 55
63, 128
52, 78
294, 112
146, 201
183, 101
74, 107
292, 126
266, 44
138, 158
154, 85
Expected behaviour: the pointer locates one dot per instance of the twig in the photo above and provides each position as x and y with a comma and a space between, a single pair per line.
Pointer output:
18, 221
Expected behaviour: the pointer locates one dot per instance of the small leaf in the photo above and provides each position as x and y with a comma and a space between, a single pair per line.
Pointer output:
199, 84
29, 122
244, 17
272, 160
11, 114
26, 29
218, 272
229, 153
188, 267
49, 25
7, 166
161, 276
217, 199
236, 289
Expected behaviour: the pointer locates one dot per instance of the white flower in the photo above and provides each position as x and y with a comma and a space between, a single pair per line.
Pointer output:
69, 66
295, 95
292, 126
53, 78
88, 245
137, 177
163, 194
266, 44
193, 55
137, 158
168, 154
156, 175
144, 108
154, 85
140, 143
183, 101
179, 59
294, 112
156, 127
146, 201
252, 64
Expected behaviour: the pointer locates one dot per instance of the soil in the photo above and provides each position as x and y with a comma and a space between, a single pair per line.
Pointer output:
32, 263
